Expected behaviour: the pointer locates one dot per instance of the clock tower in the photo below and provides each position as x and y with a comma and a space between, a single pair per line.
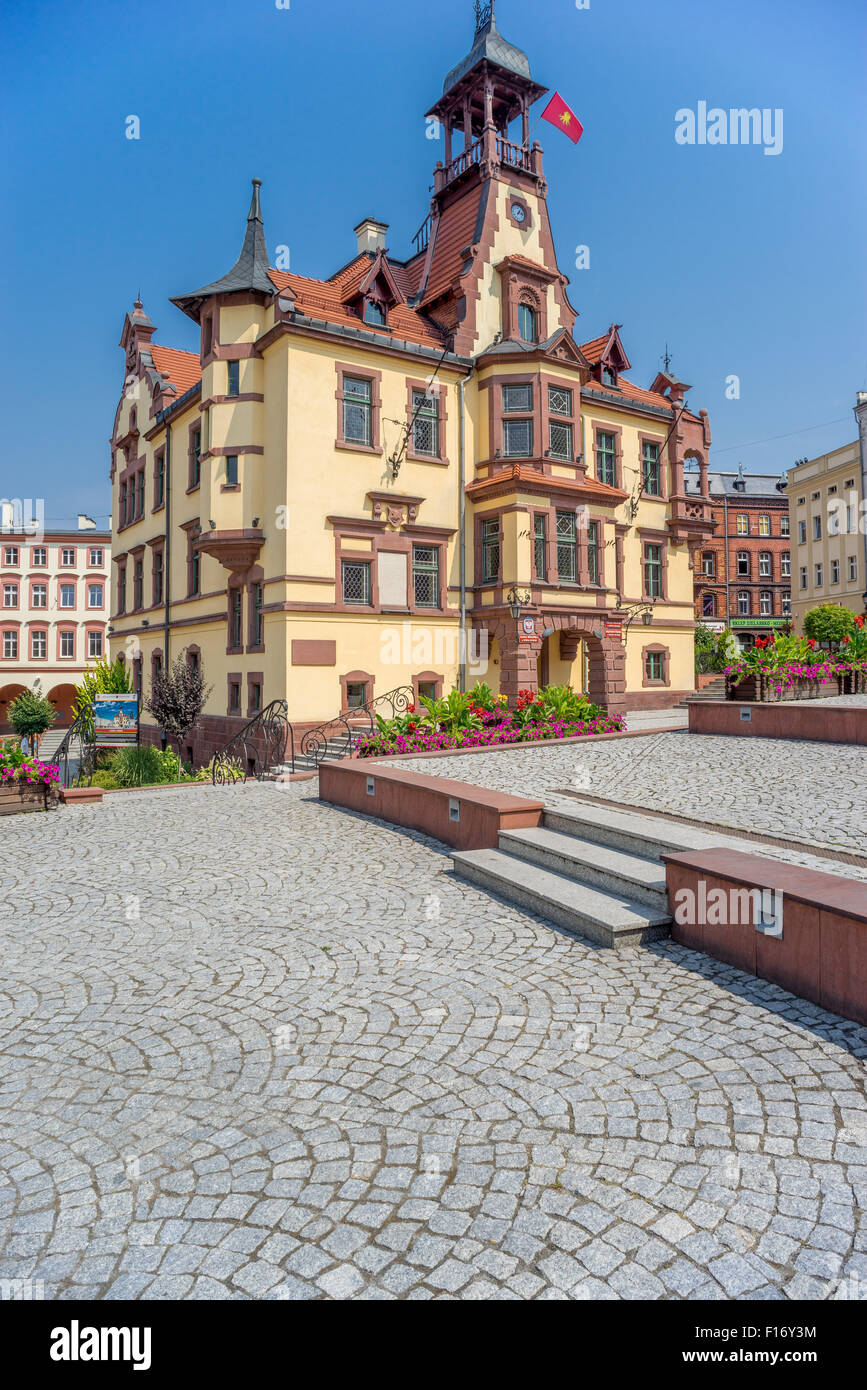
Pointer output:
487, 244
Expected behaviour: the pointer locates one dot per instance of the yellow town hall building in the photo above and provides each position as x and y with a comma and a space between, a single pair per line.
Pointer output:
357, 480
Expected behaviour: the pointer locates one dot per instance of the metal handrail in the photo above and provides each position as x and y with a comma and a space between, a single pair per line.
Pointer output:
261, 742
81, 728
315, 742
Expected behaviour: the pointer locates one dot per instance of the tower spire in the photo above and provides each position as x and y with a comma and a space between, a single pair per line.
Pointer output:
250, 271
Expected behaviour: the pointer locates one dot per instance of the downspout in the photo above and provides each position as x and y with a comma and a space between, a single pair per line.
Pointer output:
462, 529
167, 565
726, 529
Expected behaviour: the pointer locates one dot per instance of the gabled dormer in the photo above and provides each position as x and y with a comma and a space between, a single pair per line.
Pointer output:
376, 293
610, 359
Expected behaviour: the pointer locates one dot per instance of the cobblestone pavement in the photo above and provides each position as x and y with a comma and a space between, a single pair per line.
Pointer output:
815, 793
255, 1047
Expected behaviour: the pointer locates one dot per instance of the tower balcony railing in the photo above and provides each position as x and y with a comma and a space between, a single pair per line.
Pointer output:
492, 148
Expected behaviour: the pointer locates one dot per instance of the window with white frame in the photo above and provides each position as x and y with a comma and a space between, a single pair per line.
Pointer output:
94, 645
67, 596
40, 555
94, 595
787, 603
852, 567
820, 576
786, 564
817, 528
95, 559
743, 603
765, 571
743, 524
39, 596
784, 525
10, 555
708, 563
67, 556
10, 595
766, 603
802, 576
67, 644
10, 644
39, 644
764, 525
835, 571
744, 564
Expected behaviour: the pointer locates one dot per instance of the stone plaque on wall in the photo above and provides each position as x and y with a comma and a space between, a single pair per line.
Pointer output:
391, 570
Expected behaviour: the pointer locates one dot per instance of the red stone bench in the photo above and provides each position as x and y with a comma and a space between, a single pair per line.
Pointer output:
461, 815
822, 953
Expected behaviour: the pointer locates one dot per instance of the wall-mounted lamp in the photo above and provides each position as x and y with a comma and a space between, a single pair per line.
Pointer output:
516, 602
255, 523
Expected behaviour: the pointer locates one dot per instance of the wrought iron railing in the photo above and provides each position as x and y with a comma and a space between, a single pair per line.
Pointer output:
256, 748
79, 740
422, 236
340, 735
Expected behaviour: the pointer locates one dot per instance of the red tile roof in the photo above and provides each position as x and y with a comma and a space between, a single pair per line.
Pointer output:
456, 230
183, 369
594, 349
526, 473
324, 299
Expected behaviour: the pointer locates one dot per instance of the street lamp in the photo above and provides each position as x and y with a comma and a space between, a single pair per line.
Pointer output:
644, 611
516, 602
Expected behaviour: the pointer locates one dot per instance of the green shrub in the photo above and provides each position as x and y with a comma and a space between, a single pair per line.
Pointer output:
143, 766
105, 780
830, 623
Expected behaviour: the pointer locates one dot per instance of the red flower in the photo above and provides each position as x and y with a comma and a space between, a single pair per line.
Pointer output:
811, 642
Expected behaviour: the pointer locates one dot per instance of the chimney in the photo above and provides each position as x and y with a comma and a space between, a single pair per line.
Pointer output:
371, 235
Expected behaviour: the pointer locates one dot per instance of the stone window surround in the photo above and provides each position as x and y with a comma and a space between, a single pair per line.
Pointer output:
645, 438
255, 678
63, 581
32, 629
520, 285
120, 562
88, 629
363, 373
62, 628
392, 542
10, 579
255, 575
42, 584
354, 678
158, 547
156, 656
236, 584
581, 536
661, 539
539, 379
197, 427
128, 478
432, 677
656, 649
37, 564
234, 678
617, 431
440, 391
159, 457
193, 530
137, 555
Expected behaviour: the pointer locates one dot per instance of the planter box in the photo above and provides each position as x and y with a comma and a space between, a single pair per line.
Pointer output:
19, 797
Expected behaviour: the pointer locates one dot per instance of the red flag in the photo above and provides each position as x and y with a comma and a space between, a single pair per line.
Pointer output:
563, 117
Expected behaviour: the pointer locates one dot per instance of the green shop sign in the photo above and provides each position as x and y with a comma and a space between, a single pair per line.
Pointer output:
760, 622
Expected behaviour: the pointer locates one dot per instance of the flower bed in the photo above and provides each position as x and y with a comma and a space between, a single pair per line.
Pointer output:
481, 719
26, 784
796, 668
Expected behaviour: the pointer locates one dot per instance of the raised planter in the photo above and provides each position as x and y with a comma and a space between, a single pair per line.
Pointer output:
834, 724
17, 798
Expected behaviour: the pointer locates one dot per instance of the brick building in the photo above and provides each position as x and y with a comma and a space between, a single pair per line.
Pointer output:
743, 573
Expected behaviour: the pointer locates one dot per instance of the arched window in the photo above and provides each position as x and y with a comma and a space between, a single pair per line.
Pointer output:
528, 324
373, 312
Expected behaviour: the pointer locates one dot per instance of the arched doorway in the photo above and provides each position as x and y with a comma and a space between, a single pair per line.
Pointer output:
8, 695
62, 697
578, 643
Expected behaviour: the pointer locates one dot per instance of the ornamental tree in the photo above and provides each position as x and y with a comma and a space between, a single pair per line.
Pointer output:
177, 698
31, 714
830, 623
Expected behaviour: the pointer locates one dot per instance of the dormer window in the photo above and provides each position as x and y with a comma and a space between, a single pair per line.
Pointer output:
373, 312
528, 324
609, 376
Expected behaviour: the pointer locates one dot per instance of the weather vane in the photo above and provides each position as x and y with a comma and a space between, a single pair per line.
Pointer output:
667, 358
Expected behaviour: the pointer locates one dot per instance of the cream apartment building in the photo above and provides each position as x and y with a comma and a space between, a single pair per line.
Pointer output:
829, 530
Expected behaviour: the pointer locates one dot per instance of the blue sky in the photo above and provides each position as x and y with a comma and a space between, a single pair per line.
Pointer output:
745, 263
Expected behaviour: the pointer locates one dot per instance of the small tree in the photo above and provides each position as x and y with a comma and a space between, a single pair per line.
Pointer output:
177, 698
830, 623
31, 714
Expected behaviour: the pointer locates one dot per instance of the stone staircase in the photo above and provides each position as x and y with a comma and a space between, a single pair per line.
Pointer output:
714, 690
50, 742
592, 871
